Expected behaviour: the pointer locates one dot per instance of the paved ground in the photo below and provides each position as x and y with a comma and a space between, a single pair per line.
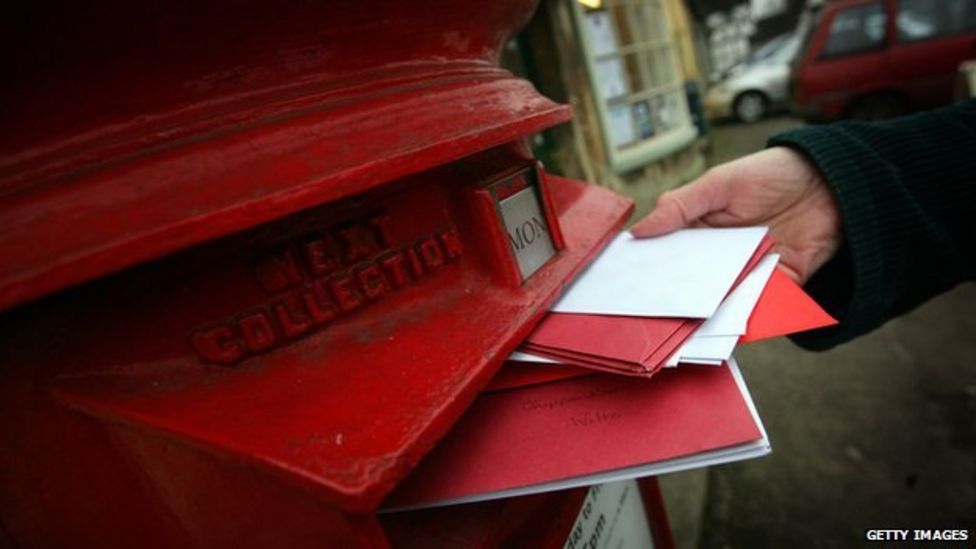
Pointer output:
879, 433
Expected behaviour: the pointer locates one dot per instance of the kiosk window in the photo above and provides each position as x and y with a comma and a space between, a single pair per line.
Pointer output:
636, 79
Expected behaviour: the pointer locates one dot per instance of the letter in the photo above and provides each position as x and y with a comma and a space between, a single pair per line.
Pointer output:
431, 254
451, 242
517, 243
217, 345
395, 271
345, 295
380, 223
257, 331
923, 535
357, 243
527, 229
416, 268
320, 259
291, 326
575, 537
318, 307
371, 281
597, 534
872, 535
540, 227
277, 271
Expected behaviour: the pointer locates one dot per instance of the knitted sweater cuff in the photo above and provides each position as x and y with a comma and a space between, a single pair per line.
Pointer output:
851, 285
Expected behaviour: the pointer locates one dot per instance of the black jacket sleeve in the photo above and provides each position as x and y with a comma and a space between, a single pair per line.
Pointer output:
907, 195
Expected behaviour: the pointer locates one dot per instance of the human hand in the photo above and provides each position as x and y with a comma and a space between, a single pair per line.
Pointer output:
777, 187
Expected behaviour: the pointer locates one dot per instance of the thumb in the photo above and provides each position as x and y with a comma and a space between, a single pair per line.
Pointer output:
680, 207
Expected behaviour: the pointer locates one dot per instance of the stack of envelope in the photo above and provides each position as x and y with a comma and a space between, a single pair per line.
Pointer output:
589, 430
558, 414
686, 298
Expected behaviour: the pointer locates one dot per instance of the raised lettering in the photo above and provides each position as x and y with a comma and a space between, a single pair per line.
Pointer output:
329, 289
217, 345
372, 282
416, 267
278, 271
357, 243
431, 253
380, 224
344, 293
320, 309
451, 242
393, 267
319, 257
257, 331
291, 325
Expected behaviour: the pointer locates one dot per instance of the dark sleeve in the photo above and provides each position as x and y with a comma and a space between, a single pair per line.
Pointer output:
907, 195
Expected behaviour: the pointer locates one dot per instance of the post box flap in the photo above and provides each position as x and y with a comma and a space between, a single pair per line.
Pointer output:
349, 410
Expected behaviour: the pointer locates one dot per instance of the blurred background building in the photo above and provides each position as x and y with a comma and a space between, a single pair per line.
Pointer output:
633, 74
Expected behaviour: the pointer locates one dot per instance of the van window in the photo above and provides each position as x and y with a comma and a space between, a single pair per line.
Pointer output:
856, 29
923, 19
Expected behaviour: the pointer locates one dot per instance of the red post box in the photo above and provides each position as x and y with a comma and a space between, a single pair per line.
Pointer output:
258, 258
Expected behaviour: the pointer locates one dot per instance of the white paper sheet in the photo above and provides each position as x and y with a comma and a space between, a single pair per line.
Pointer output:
713, 341
522, 356
705, 350
685, 274
732, 316
674, 363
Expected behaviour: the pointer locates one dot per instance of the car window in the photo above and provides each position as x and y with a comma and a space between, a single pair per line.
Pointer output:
768, 49
787, 51
923, 19
855, 29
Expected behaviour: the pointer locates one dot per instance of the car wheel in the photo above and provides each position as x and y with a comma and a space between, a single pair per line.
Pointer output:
750, 107
878, 107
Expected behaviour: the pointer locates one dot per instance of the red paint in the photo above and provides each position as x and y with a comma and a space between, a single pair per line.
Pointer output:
275, 228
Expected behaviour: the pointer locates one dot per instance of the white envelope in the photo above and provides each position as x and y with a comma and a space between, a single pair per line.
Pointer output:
713, 341
685, 274
732, 316
522, 356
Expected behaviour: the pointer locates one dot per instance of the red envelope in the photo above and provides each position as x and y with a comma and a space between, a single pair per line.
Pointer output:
783, 309
624, 345
580, 427
627, 340
515, 374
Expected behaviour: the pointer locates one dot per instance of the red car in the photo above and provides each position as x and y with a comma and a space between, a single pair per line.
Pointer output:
873, 59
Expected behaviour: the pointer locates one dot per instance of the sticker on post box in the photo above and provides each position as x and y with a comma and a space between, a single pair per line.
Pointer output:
612, 515
528, 231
